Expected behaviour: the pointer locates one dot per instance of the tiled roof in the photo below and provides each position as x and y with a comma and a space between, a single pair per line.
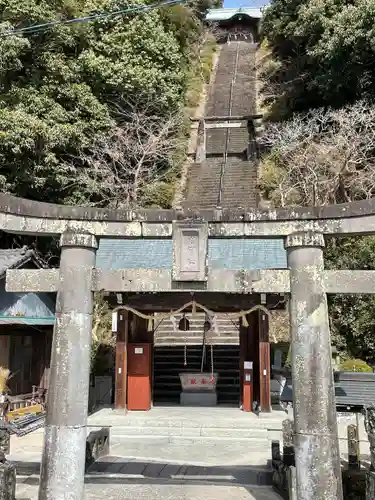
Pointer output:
226, 14
14, 257
222, 254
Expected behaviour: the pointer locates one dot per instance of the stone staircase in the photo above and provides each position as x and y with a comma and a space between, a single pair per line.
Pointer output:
165, 335
218, 435
169, 363
240, 176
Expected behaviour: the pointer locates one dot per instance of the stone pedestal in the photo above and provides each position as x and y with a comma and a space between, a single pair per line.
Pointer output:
198, 399
316, 441
63, 462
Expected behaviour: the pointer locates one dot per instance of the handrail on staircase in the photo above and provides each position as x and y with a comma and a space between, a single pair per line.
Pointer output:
226, 118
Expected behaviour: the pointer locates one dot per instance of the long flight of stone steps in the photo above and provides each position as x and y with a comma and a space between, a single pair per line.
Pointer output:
233, 91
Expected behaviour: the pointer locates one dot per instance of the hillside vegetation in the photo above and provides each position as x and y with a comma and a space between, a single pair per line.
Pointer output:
319, 90
92, 113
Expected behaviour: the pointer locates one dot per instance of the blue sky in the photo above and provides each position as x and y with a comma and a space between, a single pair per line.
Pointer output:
240, 3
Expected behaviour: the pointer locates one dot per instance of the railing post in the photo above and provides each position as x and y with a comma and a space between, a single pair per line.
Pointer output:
369, 415
353, 447
288, 446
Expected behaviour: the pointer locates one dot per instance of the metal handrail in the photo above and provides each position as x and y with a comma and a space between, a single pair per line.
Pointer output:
226, 118
227, 134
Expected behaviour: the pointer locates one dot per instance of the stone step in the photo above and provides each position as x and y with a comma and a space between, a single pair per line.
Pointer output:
243, 443
192, 432
224, 377
171, 340
121, 467
141, 419
193, 361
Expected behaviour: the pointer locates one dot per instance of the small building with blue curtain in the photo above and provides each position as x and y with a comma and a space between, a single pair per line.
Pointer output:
26, 326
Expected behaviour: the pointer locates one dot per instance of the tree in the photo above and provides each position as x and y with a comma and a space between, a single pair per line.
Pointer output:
352, 317
319, 85
103, 342
59, 88
324, 157
323, 53
321, 157
120, 168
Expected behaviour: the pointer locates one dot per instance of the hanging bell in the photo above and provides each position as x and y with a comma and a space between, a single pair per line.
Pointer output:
207, 324
184, 324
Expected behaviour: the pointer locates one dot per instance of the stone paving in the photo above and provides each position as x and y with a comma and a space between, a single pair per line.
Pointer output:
204, 468
145, 470
124, 478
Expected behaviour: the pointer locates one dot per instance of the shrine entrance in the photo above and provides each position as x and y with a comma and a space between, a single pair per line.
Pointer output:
203, 350
196, 360
188, 270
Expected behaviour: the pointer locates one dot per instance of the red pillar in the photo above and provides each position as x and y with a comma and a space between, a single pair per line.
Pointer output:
264, 362
248, 354
121, 360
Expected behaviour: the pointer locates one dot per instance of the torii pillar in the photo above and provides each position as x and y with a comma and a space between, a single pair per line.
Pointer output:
63, 462
315, 425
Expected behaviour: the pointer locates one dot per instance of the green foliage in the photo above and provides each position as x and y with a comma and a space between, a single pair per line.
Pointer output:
321, 55
60, 90
323, 51
103, 343
159, 194
352, 316
355, 365
200, 74
288, 361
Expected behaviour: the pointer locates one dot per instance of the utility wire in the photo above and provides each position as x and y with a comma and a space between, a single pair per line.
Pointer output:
101, 15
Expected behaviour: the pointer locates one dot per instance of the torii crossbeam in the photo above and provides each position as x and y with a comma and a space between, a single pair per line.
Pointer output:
305, 281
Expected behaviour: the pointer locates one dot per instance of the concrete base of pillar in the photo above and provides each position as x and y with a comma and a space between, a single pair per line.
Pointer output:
198, 399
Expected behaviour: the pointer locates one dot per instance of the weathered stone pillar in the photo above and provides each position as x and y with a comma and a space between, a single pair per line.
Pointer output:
370, 429
63, 463
316, 440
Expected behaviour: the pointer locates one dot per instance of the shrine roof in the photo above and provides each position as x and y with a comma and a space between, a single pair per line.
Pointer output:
226, 14
16, 257
23, 308
222, 254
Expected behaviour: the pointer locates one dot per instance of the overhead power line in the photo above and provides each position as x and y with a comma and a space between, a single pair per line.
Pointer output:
101, 15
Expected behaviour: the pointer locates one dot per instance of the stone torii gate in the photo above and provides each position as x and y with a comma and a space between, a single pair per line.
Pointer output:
305, 281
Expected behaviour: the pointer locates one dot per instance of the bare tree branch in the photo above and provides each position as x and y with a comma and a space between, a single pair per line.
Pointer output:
134, 154
322, 157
